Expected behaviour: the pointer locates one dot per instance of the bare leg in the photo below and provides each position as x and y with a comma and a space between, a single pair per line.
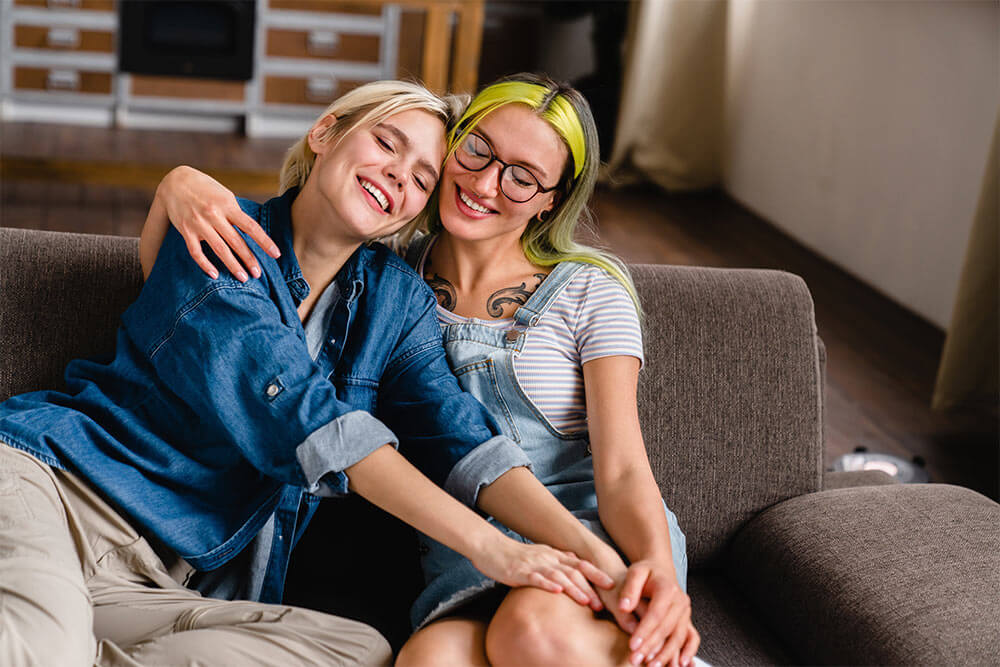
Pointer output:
450, 641
534, 627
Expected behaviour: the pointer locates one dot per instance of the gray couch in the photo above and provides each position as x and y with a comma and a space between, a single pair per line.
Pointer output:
731, 402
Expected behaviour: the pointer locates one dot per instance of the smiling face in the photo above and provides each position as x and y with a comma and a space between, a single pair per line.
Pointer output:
377, 178
472, 206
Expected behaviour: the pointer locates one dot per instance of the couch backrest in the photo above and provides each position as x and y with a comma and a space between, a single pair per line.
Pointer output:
730, 397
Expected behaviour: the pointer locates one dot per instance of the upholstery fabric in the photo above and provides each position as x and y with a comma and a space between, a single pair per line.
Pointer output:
63, 295
730, 396
895, 574
731, 633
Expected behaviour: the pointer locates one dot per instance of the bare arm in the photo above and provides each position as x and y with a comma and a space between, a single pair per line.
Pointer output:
630, 508
388, 480
202, 209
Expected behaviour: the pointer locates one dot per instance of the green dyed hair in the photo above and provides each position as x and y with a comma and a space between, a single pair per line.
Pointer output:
552, 240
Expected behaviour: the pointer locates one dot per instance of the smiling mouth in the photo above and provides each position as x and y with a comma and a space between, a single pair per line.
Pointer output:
376, 192
469, 202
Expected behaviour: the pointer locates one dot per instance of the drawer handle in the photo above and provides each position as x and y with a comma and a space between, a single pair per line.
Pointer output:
321, 42
320, 88
64, 3
64, 38
63, 79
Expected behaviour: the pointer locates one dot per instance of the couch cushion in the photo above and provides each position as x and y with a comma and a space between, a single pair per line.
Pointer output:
731, 633
730, 397
61, 296
892, 574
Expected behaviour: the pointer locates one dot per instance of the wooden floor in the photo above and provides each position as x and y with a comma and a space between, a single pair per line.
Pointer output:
882, 359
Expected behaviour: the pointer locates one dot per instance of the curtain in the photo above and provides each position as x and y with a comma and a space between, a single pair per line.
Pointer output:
970, 362
671, 117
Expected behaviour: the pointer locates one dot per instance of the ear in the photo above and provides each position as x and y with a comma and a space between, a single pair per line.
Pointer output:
316, 142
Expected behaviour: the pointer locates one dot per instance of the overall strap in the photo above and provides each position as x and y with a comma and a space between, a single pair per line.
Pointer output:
553, 285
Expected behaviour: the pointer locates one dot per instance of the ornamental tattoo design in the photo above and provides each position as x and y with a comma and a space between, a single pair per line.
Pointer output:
511, 295
444, 291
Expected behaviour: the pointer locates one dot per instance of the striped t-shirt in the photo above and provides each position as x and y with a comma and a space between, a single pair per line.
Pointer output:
592, 317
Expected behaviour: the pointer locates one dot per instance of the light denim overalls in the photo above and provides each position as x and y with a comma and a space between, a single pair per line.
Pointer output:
482, 357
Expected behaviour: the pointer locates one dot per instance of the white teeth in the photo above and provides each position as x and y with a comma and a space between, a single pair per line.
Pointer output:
471, 204
375, 192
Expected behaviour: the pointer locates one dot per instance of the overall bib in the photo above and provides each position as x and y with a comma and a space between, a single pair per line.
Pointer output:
482, 358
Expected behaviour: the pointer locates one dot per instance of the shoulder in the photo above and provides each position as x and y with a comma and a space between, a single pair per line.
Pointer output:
393, 275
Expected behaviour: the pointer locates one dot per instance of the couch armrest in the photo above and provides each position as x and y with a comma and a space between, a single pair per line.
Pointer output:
845, 479
730, 398
895, 574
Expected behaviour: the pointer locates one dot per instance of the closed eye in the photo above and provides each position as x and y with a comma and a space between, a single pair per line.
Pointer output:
385, 144
420, 183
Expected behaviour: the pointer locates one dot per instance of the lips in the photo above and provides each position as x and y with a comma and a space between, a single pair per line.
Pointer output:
471, 206
377, 195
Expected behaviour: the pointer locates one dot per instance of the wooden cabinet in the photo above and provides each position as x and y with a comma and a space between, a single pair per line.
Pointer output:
59, 61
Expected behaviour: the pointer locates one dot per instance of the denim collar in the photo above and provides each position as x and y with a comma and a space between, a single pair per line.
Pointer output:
276, 220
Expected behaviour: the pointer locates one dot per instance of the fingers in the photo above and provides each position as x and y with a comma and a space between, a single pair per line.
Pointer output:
237, 244
194, 249
253, 230
635, 581
596, 575
666, 610
222, 251
680, 648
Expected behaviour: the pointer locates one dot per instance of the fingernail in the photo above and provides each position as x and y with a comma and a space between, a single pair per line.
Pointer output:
685, 662
275, 252
625, 603
214, 274
255, 271
242, 276
636, 658
635, 643
656, 663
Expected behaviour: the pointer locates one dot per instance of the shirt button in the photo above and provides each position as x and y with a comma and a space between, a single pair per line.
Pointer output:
333, 340
272, 390
512, 335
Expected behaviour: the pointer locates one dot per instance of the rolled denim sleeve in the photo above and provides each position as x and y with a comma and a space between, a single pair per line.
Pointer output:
246, 373
444, 431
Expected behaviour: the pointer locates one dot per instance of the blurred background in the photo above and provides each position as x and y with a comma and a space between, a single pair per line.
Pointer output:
852, 143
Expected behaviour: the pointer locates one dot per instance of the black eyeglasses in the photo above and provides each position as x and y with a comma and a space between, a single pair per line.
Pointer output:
517, 183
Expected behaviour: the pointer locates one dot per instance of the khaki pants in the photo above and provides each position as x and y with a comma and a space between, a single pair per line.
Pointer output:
78, 586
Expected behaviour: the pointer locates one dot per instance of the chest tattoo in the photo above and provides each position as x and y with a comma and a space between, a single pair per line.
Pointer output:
495, 304
443, 290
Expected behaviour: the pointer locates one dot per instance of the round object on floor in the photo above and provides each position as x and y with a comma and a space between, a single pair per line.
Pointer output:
907, 472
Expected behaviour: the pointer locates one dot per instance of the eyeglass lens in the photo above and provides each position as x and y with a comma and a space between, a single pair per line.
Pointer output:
517, 183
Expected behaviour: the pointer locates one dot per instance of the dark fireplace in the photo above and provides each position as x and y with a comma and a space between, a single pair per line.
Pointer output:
202, 38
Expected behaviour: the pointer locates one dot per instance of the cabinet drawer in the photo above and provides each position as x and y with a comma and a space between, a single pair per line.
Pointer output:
322, 44
63, 39
88, 5
184, 88
61, 80
333, 6
305, 90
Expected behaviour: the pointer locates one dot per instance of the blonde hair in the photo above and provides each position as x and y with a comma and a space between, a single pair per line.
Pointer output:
368, 105
546, 242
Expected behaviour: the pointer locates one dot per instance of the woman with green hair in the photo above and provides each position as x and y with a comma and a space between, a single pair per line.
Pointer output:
545, 332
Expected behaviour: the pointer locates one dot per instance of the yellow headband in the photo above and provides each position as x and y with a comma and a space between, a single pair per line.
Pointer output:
558, 112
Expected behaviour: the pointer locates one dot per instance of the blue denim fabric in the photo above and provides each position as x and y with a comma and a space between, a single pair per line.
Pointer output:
212, 416
483, 360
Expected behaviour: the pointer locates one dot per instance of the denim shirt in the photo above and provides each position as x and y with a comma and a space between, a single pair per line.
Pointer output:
212, 418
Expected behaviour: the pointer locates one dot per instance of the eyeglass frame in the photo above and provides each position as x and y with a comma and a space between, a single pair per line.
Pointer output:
506, 165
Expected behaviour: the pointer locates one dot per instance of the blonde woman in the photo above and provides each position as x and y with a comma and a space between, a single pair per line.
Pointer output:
545, 333
197, 454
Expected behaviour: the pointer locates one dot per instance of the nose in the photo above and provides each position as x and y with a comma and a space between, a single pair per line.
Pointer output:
395, 176
486, 183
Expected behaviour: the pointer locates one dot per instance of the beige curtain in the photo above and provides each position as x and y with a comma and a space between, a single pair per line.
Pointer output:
970, 363
671, 117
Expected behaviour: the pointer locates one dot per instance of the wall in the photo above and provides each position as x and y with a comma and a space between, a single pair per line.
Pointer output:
861, 129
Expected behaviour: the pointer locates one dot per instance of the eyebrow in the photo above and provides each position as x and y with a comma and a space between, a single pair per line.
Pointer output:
523, 163
404, 139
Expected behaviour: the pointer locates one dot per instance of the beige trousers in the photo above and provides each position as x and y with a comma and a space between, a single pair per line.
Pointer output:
78, 586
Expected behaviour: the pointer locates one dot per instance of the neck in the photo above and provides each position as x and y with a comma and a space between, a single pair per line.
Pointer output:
319, 248
467, 264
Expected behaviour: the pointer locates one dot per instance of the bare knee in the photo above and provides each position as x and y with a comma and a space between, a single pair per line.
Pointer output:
537, 628
449, 642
